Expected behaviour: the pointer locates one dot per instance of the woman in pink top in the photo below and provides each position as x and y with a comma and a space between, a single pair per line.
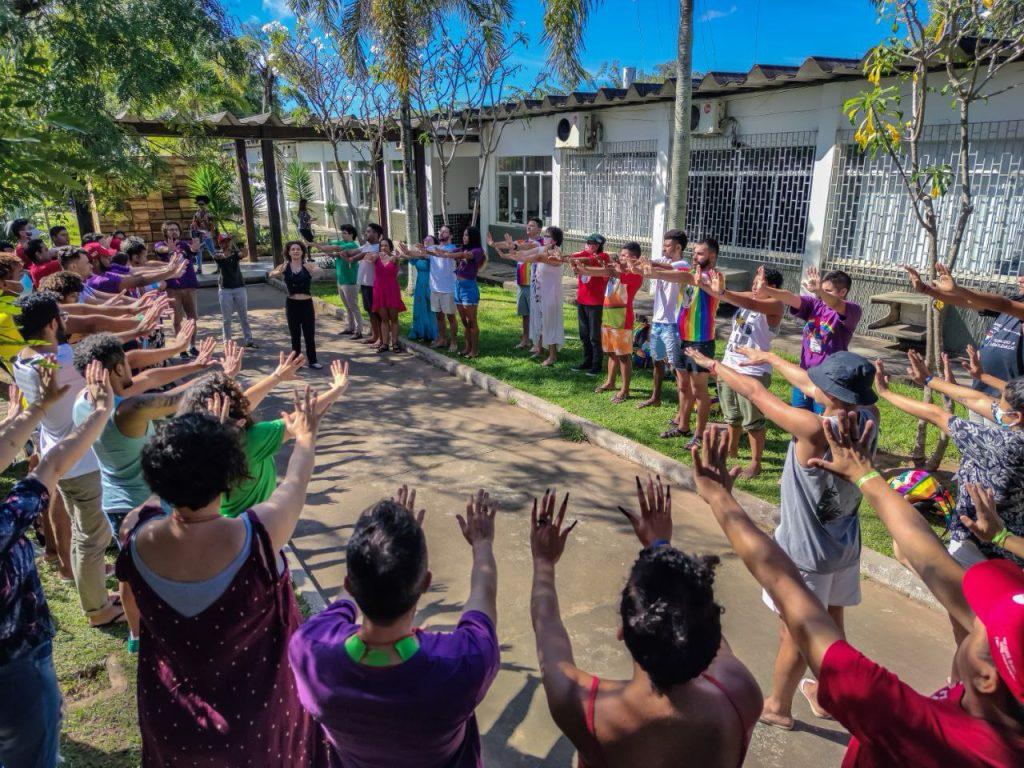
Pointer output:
387, 294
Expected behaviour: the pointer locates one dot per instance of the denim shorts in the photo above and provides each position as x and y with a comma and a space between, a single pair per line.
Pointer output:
664, 342
467, 292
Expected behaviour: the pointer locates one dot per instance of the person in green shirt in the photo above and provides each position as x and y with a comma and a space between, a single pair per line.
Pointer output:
261, 440
346, 271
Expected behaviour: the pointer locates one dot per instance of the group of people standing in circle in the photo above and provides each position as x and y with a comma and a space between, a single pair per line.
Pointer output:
445, 290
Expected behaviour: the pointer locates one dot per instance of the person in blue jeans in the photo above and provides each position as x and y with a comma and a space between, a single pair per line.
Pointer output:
829, 320
30, 706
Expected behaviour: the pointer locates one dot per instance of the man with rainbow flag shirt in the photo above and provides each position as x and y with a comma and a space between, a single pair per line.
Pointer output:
524, 272
696, 321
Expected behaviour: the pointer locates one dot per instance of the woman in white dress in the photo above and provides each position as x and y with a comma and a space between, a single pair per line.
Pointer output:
546, 312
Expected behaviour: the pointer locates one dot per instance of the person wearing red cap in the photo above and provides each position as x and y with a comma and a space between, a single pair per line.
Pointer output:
978, 719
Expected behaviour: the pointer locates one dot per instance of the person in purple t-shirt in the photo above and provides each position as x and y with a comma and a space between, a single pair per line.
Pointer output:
384, 691
829, 320
182, 290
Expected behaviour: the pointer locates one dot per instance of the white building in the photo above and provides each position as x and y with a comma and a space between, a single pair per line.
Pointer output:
775, 177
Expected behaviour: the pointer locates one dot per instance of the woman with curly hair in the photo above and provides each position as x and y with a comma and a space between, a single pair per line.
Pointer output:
261, 440
689, 697
215, 601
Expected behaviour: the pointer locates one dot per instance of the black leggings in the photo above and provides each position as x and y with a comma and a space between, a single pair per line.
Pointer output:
302, 322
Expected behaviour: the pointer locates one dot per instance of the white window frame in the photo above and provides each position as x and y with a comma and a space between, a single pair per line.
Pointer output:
396, 190
520, 176
359, 182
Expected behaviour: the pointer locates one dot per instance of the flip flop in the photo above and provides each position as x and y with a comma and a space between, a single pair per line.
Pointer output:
119, 618
773, 724
812, 702
620, 399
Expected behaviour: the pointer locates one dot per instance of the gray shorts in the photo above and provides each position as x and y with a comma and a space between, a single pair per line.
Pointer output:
841, 588
523, 301
442, 302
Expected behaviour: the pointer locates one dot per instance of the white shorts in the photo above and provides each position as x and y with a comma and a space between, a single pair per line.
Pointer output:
966, 553
442, 302
841, 588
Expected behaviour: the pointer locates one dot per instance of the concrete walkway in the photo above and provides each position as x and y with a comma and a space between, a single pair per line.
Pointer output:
406, 422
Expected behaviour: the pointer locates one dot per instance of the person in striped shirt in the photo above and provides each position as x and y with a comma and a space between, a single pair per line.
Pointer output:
697, 307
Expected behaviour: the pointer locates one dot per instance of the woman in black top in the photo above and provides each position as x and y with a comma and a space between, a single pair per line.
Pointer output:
298, 274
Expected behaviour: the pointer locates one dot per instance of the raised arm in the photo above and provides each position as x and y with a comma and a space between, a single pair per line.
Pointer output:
72, 448
940, 572
339, 383
930, 412
802, 424
563, 682
946, 289
971, 399
670, 275
478, 529
788, 298
18, 427
973, 365
287, 367
770, 308
280, 513
812, 284
160, 377
807, 620
989, 526
139, 359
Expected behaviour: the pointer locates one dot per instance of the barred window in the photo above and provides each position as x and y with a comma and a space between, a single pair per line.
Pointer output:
610, 191
752, 193
397, 190
359, 182
524, 188
870, 224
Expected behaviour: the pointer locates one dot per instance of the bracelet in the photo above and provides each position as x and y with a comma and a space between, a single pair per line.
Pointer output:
928, 379
869, 476
659, 543
1000, 537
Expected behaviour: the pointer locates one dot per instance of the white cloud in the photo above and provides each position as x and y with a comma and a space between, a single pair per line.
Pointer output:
709, 15
277, 9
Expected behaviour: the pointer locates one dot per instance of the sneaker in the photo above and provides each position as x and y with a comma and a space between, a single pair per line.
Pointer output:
316, 366
193, 352
185, 356
251, 345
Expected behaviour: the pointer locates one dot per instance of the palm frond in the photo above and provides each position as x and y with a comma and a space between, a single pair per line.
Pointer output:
564, 22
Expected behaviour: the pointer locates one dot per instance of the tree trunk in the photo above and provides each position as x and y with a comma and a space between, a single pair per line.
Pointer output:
679, 170
346, 187
933, 338
444, 194
412, 226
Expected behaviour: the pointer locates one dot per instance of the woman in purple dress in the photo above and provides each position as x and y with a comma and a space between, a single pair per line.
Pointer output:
216, 603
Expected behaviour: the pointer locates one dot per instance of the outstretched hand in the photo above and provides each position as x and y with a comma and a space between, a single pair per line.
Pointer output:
654, 523
754, 356
15, 403
406, 497
700, 358
850, 446
288, 366
988, 523
881, 377
49, 392
812, 281
478, 524
97, 385
711, 473
973, 363
206, 349
339, 376
303, 422
219, 407
917, 368
232, 360
547, 539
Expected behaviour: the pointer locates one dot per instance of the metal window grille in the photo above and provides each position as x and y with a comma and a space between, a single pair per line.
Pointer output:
870, 225
752, 193
610, 191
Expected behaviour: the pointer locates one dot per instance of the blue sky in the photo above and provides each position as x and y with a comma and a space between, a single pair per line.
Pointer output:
729, 35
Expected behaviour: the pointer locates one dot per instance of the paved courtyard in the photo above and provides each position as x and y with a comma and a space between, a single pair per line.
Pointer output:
404, 421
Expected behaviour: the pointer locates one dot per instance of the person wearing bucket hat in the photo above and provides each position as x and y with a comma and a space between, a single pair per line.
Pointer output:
975, 720
590, 288
819, 527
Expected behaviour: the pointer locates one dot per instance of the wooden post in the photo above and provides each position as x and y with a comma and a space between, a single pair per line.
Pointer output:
245, 192
382, 195
273, 212
425, 227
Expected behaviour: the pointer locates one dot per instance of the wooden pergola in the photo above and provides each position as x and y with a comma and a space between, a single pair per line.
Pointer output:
266, 128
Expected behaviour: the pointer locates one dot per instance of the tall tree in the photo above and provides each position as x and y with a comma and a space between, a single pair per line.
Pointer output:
950, 49
397, 30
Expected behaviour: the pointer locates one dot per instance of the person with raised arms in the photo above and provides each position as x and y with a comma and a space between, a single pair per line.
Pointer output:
978, 718
525, 274
688, 694
547, 320
819, 527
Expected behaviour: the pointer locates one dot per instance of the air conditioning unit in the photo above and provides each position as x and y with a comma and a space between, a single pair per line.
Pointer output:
578, 130
707, 118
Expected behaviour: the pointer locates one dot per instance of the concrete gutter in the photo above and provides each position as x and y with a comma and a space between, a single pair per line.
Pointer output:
873, 565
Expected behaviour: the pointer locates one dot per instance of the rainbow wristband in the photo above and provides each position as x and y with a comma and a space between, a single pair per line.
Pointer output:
1000, 537
869, 476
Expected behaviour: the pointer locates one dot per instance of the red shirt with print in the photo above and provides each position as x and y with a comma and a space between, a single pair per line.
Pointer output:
892, 724
590, 289
38, 271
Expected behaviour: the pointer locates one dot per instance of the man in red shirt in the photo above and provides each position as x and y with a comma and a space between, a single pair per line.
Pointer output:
590, 304
20, 231
41, 261
978, 720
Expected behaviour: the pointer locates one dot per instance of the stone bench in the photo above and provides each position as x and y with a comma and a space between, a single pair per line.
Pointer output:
906, 318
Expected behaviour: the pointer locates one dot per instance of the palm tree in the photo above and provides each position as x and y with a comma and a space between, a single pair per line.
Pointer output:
564, 22
398, 30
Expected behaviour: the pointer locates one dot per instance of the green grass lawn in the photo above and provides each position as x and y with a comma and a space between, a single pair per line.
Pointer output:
499, 333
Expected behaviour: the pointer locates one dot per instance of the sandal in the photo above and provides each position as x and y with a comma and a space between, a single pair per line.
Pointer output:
620, 399
675, 432
812, 699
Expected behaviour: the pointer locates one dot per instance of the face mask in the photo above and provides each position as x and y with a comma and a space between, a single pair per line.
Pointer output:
998, 414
